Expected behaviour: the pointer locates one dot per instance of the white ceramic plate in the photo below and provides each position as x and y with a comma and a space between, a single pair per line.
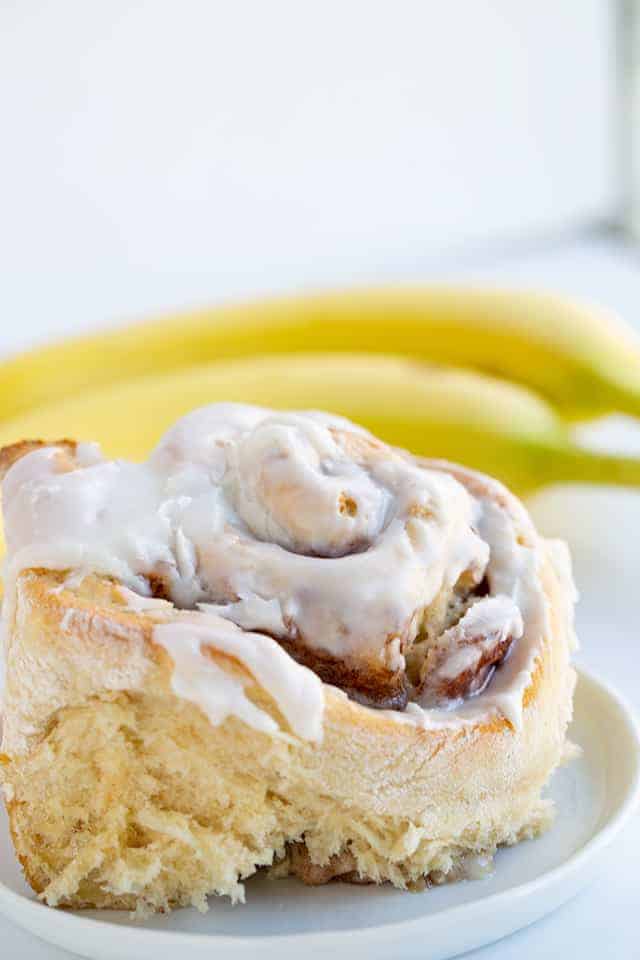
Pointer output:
595, 795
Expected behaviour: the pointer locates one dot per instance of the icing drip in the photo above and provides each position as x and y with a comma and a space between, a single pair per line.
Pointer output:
296, 690
491, 619
238, 504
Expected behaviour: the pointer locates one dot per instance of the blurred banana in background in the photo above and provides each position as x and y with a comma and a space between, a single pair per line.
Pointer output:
580, 359
486, 423
558, 362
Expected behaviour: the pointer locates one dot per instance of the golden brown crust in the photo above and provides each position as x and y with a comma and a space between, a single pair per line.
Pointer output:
15, 451
110, 620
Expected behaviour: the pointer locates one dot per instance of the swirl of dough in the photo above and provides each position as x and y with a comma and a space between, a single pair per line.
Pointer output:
299, 525
333, 542
293, 484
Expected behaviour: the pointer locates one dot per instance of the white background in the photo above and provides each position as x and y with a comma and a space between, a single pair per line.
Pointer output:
160, 154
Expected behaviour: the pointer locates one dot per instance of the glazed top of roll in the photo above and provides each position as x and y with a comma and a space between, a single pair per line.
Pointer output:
395, 579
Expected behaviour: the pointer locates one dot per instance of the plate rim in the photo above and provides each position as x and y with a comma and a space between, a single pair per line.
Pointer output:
26, 907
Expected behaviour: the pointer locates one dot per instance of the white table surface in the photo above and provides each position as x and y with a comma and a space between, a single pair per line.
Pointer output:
603, 920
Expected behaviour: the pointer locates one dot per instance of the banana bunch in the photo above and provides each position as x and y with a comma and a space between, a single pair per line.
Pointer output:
365, 355
580, 359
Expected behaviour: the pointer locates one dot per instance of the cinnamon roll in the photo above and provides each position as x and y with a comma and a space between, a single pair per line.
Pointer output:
276, 643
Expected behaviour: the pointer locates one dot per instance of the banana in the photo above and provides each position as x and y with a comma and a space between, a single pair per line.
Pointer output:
581, 360
487, 424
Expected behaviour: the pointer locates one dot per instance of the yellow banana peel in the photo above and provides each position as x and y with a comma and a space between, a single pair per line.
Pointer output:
485, 423
581, 360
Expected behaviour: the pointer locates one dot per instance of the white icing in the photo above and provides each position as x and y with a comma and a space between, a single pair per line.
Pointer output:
492, 619
297, 690
70, 582
251, 613
238, 503
141, 604
300, 525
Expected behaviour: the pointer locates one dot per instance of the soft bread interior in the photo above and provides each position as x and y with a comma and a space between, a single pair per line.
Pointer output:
131, 798
133, 801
